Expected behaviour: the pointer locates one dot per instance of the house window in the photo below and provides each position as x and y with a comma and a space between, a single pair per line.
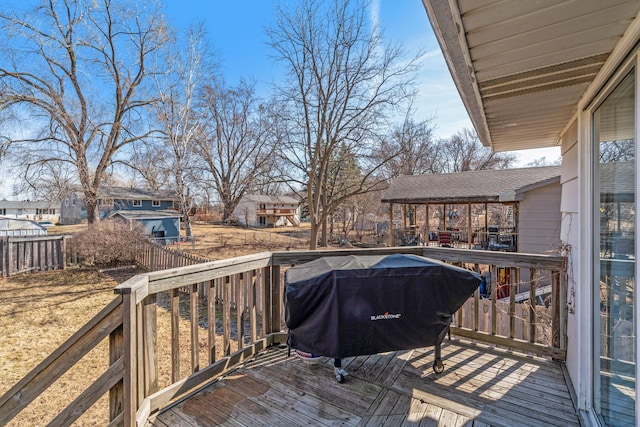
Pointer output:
137, 203
155, 203
615, 223
3, 211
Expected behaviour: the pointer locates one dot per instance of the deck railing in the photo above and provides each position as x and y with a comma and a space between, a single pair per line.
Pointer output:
141, 378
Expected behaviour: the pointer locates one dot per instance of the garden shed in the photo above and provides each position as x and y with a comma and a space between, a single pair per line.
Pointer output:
161, 226
516, 210
11, 227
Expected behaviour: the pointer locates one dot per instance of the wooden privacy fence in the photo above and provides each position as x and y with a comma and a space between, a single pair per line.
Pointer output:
154, 256
139, 382
31, 254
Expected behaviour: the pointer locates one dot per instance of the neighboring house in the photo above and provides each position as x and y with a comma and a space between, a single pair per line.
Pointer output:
163, 226
565, 73
112, 199
531, 196
20, 227
255, 210
34, 210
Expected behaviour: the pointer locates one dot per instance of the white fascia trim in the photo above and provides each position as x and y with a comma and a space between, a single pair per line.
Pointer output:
447, 25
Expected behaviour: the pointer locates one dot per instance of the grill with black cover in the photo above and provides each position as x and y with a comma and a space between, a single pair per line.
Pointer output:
343, 306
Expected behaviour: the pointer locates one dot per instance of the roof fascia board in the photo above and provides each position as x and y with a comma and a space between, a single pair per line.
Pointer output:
447, 25
441, 200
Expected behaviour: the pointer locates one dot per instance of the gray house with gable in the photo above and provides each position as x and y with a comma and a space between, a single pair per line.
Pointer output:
74, 211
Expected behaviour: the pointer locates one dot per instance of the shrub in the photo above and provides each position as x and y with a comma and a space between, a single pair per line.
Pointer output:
109, 243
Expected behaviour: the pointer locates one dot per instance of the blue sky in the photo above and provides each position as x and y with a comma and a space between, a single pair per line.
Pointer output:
236, 32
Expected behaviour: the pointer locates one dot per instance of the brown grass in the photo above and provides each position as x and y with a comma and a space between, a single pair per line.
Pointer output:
218, 241
40, 311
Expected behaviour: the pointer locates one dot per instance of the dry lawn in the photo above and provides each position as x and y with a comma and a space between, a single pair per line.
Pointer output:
40, 311
218, 241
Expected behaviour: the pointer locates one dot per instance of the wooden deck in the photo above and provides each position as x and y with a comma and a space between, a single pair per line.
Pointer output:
480, 386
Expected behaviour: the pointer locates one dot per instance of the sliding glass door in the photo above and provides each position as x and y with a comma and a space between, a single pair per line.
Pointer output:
615, 206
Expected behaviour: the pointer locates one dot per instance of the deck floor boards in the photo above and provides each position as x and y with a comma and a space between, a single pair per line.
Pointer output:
480, 387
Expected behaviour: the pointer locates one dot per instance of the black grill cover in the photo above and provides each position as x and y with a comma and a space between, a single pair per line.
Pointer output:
353, 305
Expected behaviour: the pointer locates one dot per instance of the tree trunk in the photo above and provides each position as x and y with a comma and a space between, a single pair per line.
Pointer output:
313, 239
187, 227
227, 211
323, 241
93, 215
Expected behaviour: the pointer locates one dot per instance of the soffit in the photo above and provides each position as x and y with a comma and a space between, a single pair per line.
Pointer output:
522, 66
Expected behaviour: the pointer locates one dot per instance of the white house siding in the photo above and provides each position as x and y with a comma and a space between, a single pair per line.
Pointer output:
570, 234
539, 222
245, 213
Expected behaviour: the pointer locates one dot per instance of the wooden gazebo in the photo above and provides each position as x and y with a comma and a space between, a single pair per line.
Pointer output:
507, 209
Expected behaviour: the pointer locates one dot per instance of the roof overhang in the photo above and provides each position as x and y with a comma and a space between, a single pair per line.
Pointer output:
134, 215
521, 68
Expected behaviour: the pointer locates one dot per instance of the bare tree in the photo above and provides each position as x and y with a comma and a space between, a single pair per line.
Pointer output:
464, 152
418, 150
543, 161
189, 66
620, 150
236, 148
75, 71
343, 81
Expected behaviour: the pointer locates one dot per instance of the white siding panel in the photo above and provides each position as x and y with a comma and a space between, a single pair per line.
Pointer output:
540, 217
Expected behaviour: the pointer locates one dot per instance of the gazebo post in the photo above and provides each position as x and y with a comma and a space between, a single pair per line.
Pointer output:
444, 217
427, 230
404, 216
469, 224
391, 224
486, 221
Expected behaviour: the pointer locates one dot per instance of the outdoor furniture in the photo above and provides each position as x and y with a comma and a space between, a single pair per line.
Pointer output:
444, 238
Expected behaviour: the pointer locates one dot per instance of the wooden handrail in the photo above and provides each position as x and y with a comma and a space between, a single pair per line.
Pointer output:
59, 362
252, 286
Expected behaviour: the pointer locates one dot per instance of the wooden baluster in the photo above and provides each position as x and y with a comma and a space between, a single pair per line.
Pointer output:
512, 302
211, 320
226, 316
150, 338
532, 305
276, 300
175, 335
116, 393
239, 286
267, 326
195, 340
252, 306
494, 292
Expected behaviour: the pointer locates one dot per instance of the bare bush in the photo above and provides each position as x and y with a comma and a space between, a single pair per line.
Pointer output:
113, 243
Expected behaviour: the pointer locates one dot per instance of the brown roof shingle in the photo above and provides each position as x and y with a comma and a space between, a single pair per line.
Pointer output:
473, 186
